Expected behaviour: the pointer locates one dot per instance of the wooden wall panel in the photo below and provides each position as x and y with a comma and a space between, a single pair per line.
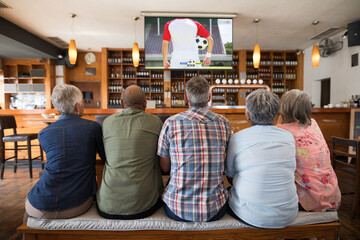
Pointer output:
2, 95
104, 78
77, 74
300, 72
333, 124
49, 82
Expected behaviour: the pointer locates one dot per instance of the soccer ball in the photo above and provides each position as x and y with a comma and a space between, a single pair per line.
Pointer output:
191, 63
201, 42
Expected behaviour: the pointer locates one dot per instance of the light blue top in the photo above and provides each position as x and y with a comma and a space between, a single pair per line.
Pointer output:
261, 161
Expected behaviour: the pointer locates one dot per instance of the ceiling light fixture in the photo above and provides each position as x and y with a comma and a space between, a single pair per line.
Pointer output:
135, 49
256, 53
72, 46
188, 14
315, 56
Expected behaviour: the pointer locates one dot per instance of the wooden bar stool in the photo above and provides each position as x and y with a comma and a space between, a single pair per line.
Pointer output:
343, 152
8, 122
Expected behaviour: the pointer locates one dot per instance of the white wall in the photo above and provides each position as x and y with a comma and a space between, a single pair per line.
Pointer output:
345, 80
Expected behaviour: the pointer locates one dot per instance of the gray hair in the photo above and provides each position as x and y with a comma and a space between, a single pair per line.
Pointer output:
197, 91
262, 107
64, 98
296, 106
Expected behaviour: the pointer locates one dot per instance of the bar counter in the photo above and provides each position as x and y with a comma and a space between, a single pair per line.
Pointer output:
332, 121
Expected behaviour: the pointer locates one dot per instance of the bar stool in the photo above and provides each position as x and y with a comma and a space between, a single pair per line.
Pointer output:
8, 122
345, 167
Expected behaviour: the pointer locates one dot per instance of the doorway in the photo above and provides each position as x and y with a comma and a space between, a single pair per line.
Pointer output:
325, 92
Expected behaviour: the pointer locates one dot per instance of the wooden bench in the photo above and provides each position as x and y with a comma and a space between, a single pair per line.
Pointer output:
326, 231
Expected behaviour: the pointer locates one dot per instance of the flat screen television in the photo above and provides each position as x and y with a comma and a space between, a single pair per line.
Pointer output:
354, 34
188, 43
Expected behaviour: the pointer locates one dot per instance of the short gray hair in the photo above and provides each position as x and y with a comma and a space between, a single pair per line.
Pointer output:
262, 107
64, 98
296, 106
197, 91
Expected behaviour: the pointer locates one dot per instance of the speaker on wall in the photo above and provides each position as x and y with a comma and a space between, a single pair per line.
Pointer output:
354, 34
67, 62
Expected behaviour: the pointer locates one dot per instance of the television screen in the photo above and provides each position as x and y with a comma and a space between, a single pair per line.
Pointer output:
188, 43
354, 34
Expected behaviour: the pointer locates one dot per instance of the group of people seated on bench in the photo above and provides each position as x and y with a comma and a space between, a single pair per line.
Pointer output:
275, 171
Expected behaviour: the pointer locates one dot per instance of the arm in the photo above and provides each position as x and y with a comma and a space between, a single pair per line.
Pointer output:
99, 142
229, 179
207, 59
230, 161
165, 46
165, 164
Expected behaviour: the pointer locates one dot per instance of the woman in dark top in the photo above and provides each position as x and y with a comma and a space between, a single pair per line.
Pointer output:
67, 187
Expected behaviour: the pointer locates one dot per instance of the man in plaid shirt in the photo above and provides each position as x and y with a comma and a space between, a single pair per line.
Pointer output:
192, 146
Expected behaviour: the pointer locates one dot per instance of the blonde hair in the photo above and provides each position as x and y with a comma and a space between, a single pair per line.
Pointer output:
296, 107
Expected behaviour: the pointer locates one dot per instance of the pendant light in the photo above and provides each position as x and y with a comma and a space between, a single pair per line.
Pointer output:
72, 52
135, 49
315, 56
256, 53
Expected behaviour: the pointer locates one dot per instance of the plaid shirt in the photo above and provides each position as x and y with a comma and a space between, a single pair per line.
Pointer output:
196, 142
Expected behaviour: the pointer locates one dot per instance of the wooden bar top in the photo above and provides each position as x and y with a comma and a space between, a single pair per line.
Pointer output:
332, 121
171, 111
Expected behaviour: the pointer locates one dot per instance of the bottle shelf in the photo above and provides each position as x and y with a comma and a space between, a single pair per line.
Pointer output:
275, 66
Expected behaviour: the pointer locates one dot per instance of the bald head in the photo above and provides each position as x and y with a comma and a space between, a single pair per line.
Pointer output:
134, 97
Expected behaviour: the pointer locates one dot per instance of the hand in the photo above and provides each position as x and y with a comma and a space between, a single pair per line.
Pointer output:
207, 61
166, 64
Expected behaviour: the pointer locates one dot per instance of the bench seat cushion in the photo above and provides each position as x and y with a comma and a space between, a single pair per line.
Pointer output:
159, 221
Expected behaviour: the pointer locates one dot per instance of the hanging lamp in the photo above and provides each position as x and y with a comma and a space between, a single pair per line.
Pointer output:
256, 53
135, 49
315, 56
72, 52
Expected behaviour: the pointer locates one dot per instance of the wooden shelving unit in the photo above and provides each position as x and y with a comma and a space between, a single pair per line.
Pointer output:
27, 76
280, 70
119, 73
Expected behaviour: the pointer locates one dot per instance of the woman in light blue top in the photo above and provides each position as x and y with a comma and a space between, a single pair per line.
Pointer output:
260, 164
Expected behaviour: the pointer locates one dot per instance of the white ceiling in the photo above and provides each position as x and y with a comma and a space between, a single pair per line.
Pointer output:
285, 24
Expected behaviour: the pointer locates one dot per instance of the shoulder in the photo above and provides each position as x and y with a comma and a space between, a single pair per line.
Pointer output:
151, 117
221, 118
91, 123
177, 117
282, 132
243, 133
314, 123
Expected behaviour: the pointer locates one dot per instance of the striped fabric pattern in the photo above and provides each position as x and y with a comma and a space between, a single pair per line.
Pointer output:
196, 142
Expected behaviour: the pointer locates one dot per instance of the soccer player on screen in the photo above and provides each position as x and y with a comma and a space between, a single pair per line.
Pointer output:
182, 33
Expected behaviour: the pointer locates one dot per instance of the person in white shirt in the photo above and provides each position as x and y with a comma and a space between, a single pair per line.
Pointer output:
182, 33
260, 164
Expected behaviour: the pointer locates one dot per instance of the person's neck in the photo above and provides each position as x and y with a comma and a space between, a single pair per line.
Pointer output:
135, 106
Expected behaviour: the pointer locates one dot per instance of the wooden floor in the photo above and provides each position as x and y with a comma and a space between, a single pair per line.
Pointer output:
14, 188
